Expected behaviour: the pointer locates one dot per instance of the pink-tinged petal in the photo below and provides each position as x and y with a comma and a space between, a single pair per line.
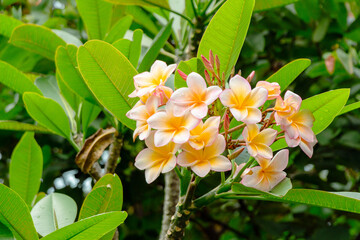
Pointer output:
264, 151
212, 122
266, 136
201, 168
169, 70
283, 121
145, 133
253, 116
292, 131
252, 149
240, 86
152, 104
308, 147
220, 164
143, 79
169, 165
151, 174
212, 93
293, 99
263, 162
162, 138
215, 149
196, 83
182, 96
158, 66
279, 162
275, 178
254, 179
228, 98
304, 117
292, 142
197, 145
146, 90
200, 111
181, 136
250, 132
306, 133
179, 110
239, 114
257, 97
186, 159
139, 113
159, 121
133, 94
209, 135
190, 122
145, 159
273, 89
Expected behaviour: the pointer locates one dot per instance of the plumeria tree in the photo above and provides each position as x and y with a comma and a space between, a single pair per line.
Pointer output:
199, 117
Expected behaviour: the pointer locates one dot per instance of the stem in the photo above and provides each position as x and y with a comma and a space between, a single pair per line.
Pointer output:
114, 154
235, 128
248, 164
194, 8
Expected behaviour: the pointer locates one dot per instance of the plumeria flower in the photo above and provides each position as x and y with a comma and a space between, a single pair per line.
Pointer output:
238, 169
163, 94
242, 101
273, 89
257, 142
210, 158
172, 128
148, 82
204, 134
306, 146
287, 107
196, 97
156, 160
269, 174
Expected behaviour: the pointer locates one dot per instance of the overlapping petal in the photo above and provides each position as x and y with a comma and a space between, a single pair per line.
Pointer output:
258, 143
204, 134
273, 89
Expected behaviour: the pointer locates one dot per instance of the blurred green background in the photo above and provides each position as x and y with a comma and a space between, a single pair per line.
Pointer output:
325, 31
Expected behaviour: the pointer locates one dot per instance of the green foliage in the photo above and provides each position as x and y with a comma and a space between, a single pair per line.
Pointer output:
279, 191
349, 108
96, 15
15, 215
226, 33
119, 29
135, 47
53, 212
262, 5
109, 75
8, 24
41, 108
91, 228
192, 65
162, 3
26, 168
19, 126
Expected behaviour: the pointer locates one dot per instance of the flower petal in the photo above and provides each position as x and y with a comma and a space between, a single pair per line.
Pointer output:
290, 141
212, 93
145, 159
266, 136
186, 159
257, 97
228, 98
201, 168
275, 178
159, 120
254, 179
196, 83
190, 122
169, 165
250, 132
181, 136
240, 86
264, 151
220, 164
253, 116
239, 114
279, 162
215, 149
212, 122
151, 174
163, 137
200, 111
307, 147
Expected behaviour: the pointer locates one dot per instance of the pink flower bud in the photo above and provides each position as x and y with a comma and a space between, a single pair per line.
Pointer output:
211, 58
182, 74
226, 122
207, 64
330, 64
217, 62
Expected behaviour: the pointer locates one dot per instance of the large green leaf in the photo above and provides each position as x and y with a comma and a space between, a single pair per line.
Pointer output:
117, 197
162, 3
155, 47
53, 212
48, 113
89, 113
325, 107
109, 75
262, 5
8, 24
19, 126
349, 108
16, 80
69, 95
5, 233
26, 168
15, 215
119, 29
288, 73
142, 18
135, 47
37, 39
66, 64
96, 202
96, 15
226, 33
92, 228
187, 67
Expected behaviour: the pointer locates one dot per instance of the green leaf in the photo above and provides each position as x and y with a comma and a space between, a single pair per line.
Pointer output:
96, 15
16, 80
67, 37
8, 24
19, 126
226, 33
155, 47
109, 75
142, 18
117, 197
288, 73
187, 67
89, 113
123, 45
135, 47
15, 215
48, 113
70, 96
96, 202
5, 233
349, 108
37, 39
26, 168
67, 67
53, 212
321, 29
119, 29
346, 60
325, 107
162, 3
92, 228
262, 5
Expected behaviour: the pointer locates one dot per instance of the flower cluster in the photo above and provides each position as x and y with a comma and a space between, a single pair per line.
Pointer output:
190, 128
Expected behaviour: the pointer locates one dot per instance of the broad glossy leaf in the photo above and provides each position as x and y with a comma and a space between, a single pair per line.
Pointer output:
192, 65
262, 5
135, 47
143, 18
26, 168
67, 67
67, 37
19, 126
109, 75
5, 233
96, 202
155, 48
288, 73
226, 33
153, 3
15, 215
48, 113
123, 45
37, 39
16, 80
117, 197
96, 15
70, 96
349, 108
119, 29
92, 228
22, 60
89, 113
8, 24
325, 107
53, 212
